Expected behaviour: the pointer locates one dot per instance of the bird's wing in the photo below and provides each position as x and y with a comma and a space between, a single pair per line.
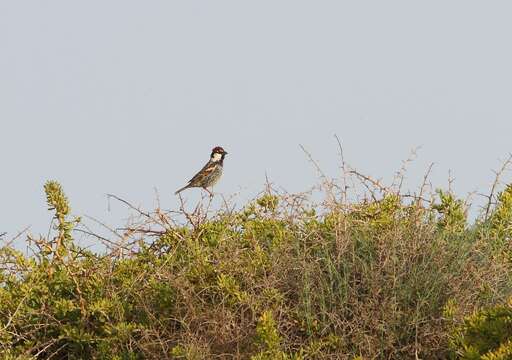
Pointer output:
205, 171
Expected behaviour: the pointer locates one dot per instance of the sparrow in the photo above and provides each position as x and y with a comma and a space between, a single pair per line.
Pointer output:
210, 174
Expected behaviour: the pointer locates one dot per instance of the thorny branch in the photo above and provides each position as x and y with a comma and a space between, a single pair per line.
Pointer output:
400, 174
383, 189
495, 184
129, 205
17, 236
328, 183
343, 171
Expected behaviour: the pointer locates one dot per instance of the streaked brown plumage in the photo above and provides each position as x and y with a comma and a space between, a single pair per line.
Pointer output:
210, 174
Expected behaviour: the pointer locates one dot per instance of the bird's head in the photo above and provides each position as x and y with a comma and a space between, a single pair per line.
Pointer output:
218, 153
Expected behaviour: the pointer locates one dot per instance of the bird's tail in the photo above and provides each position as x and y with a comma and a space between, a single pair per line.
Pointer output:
183, 188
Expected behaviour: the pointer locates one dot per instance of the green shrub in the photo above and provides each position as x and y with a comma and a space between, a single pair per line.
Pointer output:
281, 278
501, 218
486, 334
452, 213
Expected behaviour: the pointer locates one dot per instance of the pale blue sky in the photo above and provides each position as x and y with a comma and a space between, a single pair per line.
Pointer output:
123, 96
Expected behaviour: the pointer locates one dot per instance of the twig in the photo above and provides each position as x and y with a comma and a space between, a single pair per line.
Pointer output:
370, 190
451, 180
44, 347
229, 210
184, 212
104, 226
343, 170
144, 231
163, 218
208, 206
15, 311
327, 183
322, 175
15, 237
129, 205
400, 174
56, 351
495, 184
268, 184
425, 178
157, 197
415, 197
101, 238
375, 183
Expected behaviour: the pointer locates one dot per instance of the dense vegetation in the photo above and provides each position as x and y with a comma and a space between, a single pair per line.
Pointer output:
388, 276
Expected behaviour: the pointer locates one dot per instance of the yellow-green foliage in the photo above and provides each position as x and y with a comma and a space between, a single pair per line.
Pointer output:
501, 219
486, 334
268, 336
382, 214
452, 213
268, 202
376, 279
58, 201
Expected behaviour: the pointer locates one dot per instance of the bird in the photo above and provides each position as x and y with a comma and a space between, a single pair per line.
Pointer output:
210, 174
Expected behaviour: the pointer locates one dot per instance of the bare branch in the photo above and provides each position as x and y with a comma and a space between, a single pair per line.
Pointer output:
425, 180
101, 238
383, 189
308, 154
15, 237
495, 184
400, 174
129, 205
343, 171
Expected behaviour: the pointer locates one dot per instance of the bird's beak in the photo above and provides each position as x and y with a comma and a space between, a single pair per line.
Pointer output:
225, 153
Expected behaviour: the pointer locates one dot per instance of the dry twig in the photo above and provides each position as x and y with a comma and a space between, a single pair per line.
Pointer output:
495, 184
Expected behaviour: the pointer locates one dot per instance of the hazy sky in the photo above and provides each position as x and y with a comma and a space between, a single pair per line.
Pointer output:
124, 96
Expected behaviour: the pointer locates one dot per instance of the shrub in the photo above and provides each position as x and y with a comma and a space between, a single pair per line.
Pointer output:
486, 334
281, 278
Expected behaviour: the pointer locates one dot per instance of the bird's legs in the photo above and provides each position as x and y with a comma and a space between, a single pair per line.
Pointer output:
209, 192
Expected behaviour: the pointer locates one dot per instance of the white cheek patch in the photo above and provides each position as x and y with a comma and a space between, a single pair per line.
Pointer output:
216, 157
